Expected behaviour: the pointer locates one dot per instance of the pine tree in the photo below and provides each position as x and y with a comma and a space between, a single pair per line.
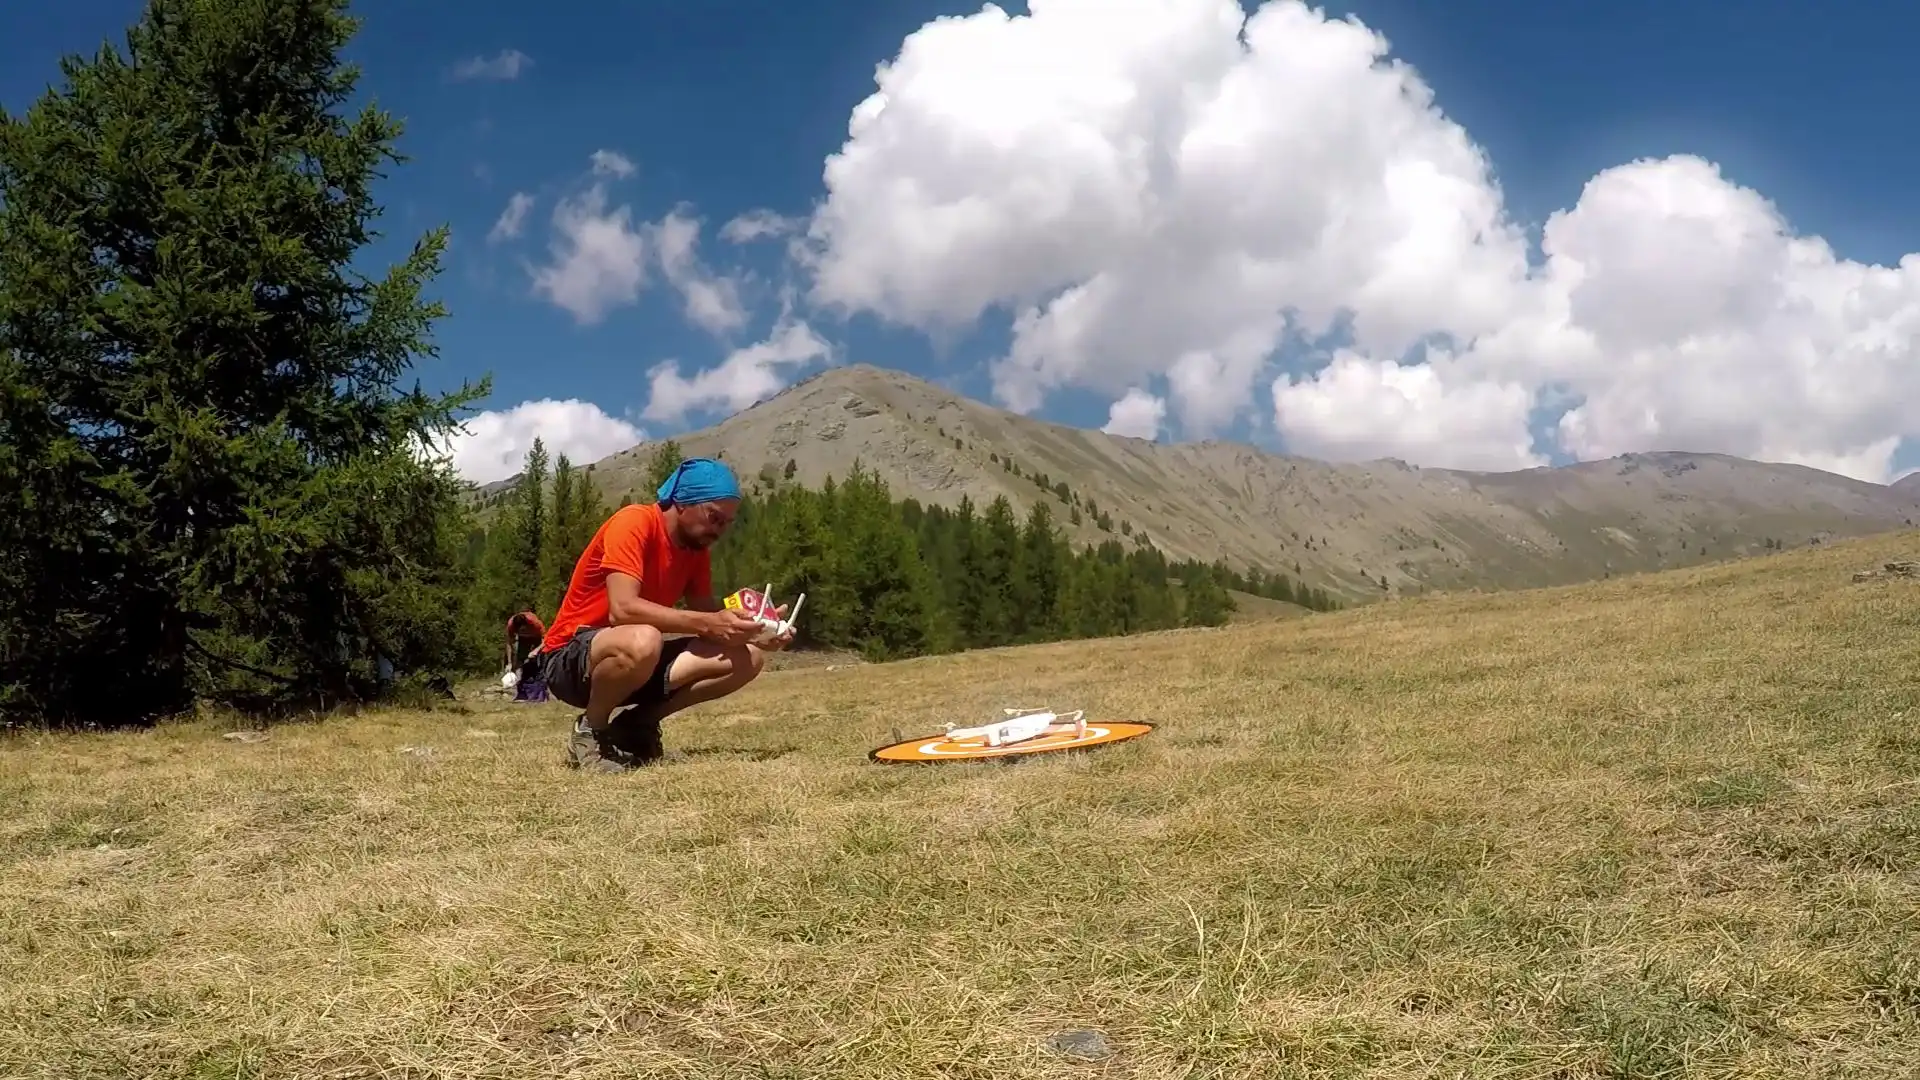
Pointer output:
507, 567
1100, 598
802, 558
1042, 555
938, 540
521, 530
975, 606
997, 549
892, 594
589, 513
1207, 602
555, 559
660, 464
204, 436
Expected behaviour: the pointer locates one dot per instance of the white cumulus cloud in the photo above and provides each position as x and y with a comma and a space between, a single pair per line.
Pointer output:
1356, 407
748, 374
1272, 203
1137, 414
1695, 319
612, 163
494, 444
598, 257
512, 219
759, 225
503, 67
711, 301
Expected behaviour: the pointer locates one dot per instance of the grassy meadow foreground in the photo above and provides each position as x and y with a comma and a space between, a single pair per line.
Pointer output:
1650, 827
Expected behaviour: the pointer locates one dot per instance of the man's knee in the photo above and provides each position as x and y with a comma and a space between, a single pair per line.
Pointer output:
726, 668
628, 645
756, 662
744, 664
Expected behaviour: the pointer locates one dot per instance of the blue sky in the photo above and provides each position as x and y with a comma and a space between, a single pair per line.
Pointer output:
733, 106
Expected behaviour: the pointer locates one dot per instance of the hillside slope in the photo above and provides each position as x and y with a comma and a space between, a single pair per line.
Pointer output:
1651, 827
1341, 526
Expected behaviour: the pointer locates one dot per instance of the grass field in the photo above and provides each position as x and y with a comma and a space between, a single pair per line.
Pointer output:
1653, 827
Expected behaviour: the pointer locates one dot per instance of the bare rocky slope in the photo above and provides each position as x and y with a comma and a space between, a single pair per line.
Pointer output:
1343, 527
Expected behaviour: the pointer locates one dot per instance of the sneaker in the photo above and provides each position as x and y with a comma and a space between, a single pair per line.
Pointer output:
596, 751
639, 740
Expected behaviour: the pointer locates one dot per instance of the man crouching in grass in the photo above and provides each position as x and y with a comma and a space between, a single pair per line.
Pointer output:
608, 648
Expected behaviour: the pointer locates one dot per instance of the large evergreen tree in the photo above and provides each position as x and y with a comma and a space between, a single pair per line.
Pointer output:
211, 483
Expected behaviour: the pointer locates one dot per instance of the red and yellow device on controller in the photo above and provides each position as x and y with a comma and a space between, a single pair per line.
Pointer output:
760, 605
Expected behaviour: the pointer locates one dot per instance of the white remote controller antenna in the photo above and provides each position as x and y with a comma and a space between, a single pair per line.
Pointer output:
771, 626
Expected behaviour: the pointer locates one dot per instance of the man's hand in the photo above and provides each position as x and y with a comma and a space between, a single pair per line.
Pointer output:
730, 627
780, 640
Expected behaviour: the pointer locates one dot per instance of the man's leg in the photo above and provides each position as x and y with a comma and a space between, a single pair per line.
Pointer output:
702, 672
596, 672
620, 660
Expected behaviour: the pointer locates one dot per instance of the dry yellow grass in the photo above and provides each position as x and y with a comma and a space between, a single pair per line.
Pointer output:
1648, 828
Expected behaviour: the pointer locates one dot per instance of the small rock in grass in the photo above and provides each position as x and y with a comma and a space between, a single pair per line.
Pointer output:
1082, 1045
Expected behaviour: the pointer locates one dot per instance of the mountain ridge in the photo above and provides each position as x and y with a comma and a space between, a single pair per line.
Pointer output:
1358, 529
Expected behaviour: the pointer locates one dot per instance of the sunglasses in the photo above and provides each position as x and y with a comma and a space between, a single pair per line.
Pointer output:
713, 515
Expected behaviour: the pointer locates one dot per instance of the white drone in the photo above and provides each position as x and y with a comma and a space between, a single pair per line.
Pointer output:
1023, 724
771, 627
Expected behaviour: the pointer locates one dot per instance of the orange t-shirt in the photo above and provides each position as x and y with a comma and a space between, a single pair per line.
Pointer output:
633, 541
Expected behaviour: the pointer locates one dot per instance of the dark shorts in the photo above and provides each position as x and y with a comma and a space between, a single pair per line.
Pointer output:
567, 671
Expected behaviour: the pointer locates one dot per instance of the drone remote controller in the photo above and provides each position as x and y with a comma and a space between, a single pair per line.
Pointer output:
759, 605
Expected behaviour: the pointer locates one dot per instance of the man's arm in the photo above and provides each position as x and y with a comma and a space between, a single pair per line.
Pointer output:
624, 557
624, 605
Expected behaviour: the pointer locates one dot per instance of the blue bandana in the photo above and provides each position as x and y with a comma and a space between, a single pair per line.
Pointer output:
698, 480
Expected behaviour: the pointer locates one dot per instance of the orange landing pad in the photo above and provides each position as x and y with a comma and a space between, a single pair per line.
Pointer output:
931, 748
